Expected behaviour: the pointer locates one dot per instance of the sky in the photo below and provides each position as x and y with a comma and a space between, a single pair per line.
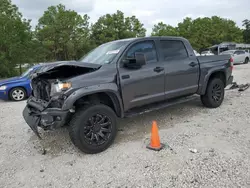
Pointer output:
149, 12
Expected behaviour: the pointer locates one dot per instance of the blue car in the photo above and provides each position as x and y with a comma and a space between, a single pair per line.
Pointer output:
17, 88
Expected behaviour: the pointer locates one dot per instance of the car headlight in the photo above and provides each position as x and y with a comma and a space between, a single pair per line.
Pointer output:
60, 87
3, 88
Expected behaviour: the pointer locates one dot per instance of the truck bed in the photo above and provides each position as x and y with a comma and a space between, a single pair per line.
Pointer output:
212, 58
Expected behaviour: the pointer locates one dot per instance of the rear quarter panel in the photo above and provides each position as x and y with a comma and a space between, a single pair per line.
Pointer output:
210, 65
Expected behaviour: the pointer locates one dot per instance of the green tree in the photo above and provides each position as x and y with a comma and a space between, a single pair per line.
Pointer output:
116, 26
203, 32
185, 28
162, 29
246, 32
15, 39
63, 33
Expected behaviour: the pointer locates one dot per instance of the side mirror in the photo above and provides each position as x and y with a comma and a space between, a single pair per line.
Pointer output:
135, 63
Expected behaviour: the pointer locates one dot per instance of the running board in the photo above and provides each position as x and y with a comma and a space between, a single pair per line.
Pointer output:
158, 106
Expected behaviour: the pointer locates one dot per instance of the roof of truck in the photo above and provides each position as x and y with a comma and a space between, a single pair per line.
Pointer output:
151, 37
157, 37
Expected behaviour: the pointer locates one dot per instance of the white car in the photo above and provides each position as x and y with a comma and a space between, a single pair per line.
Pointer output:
205, 53
196, 53
239, 56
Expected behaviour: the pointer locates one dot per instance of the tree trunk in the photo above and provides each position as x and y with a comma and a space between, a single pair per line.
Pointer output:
20, 69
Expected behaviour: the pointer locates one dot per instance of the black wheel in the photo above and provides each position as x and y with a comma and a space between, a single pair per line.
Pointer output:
246, 60
214, 93
93, 128
18, 94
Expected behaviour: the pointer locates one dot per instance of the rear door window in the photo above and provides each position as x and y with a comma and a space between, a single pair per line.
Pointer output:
173, 49
239, 52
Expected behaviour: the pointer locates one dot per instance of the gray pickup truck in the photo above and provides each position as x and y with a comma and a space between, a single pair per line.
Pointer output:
121, 79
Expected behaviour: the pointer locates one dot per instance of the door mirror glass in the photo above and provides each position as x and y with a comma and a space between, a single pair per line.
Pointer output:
135, 63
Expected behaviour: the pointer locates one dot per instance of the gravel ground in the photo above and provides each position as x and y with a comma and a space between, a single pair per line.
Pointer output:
221, 137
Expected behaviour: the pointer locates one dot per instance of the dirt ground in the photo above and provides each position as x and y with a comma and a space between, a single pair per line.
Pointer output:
221, 137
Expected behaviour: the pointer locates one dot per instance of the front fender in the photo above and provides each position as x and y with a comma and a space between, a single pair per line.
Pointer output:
107, 88
23, 84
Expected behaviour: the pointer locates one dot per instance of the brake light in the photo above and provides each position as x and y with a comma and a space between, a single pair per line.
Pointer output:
231, 63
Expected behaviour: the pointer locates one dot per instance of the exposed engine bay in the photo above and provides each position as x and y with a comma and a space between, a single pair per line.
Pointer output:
52, 82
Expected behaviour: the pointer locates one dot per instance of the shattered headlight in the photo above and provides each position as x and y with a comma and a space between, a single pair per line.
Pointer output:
2, 88
59, 87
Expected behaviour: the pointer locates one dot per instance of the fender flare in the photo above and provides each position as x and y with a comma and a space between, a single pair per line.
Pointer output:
206, 78
110, 89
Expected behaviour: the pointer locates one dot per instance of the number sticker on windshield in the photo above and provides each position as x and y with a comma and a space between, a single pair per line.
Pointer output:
113, 52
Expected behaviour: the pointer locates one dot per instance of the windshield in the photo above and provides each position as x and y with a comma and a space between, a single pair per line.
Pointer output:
227, 52
105, 53
205, 52
30, 71
27, 72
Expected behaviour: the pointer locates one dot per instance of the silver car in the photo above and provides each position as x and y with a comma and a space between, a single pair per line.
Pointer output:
239, 56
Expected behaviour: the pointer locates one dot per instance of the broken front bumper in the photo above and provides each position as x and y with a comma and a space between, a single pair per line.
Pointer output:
37, 114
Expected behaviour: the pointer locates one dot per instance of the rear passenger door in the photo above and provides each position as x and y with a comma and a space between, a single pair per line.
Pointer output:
181, 68
238, 57
242, 55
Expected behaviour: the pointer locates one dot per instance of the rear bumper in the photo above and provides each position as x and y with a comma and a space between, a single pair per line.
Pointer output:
36, 114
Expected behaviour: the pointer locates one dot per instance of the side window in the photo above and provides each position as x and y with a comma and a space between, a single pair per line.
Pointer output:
173, 49
147, 47
239, 52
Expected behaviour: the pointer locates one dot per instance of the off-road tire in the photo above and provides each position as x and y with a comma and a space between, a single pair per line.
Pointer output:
208, 99
246, 60
21, 90
79, 123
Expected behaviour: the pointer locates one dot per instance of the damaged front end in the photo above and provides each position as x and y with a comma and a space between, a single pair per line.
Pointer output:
39, 113
50, 88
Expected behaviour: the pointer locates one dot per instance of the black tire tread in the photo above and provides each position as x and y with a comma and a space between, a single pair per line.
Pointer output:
246, 60
205, 98
73, 128
72, 122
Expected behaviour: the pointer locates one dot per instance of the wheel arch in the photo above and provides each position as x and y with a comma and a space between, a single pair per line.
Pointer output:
108, 98
13, 87
215, 74
108, 95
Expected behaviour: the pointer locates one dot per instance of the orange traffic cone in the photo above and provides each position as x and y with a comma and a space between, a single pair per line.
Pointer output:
155, 143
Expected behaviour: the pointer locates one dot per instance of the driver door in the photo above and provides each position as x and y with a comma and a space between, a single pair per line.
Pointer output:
144, 85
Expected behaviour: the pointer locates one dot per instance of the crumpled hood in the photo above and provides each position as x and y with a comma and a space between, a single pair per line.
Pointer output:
49, 74
12, 80
49, 67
